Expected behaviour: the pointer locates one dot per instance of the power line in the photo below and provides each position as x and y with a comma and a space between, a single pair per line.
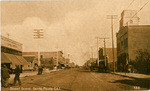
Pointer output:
97, 52
136, 12
132, 16
139, 10
104, 49
130, 4
125, 9
112, 17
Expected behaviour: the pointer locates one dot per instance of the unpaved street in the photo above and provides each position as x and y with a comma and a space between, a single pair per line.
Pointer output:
74, 80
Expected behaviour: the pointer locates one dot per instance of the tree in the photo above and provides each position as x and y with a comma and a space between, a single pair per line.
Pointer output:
142, 62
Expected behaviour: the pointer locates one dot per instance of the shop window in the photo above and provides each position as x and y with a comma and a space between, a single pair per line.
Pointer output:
126, 42
121, 43
118, 46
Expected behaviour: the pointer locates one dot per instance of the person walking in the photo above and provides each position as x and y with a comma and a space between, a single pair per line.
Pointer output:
5, 76
17, 75
40, 70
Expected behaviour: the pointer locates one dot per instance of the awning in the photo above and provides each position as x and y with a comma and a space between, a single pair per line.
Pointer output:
12, 58
22, 60
18, 60
4, 58
29, 59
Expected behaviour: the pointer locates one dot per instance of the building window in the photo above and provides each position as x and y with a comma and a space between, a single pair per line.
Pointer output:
121, 43
125, 42
118, 47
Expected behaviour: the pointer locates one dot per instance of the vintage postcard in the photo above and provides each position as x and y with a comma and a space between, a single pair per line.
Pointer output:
75, 45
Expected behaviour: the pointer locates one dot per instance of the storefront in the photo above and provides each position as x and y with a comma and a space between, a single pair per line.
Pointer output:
11, 53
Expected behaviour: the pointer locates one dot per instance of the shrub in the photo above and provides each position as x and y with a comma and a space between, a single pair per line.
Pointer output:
142, 62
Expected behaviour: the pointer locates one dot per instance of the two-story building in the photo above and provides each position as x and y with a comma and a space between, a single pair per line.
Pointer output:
11, 53
131, 38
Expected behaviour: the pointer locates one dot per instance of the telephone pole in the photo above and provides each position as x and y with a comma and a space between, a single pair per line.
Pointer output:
104, 48
97, 52
68, 59
112, 17
38, 35
92, 53
57, 56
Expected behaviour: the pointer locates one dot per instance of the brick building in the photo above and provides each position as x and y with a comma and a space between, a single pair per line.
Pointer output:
109, 55
130, 38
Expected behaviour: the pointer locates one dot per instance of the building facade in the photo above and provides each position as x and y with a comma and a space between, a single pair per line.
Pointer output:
10, 46
45, 55
67, 61
109, 57
131, 38
32, 63
91, 61
11, 53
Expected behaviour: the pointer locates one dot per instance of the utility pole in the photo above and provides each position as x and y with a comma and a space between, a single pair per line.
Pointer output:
38, 35
97, 52
112, 17
57, 57
68, 59
104, 48
92, 53
65, 61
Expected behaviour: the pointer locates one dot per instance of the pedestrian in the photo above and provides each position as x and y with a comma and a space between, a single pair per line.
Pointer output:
34, 68
40, 70
17, 75
5, 76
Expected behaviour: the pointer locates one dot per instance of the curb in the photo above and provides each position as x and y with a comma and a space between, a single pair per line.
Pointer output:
124, 75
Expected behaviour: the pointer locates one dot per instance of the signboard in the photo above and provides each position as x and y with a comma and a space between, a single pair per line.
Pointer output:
6, 42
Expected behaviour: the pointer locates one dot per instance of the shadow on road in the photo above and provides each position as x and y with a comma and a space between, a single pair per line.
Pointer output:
136, 82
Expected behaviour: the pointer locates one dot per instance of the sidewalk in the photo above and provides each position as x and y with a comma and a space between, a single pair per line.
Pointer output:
31, 73
24, 74
132, 75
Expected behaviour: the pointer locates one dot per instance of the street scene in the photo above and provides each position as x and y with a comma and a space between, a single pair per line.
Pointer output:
75, 45
78, 80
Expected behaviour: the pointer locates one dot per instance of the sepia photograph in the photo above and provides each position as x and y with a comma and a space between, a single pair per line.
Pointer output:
75, 45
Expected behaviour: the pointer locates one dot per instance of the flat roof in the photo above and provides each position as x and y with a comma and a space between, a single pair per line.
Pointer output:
11, 40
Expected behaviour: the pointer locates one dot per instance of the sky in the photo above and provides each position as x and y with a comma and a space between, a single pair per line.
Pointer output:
68, 25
